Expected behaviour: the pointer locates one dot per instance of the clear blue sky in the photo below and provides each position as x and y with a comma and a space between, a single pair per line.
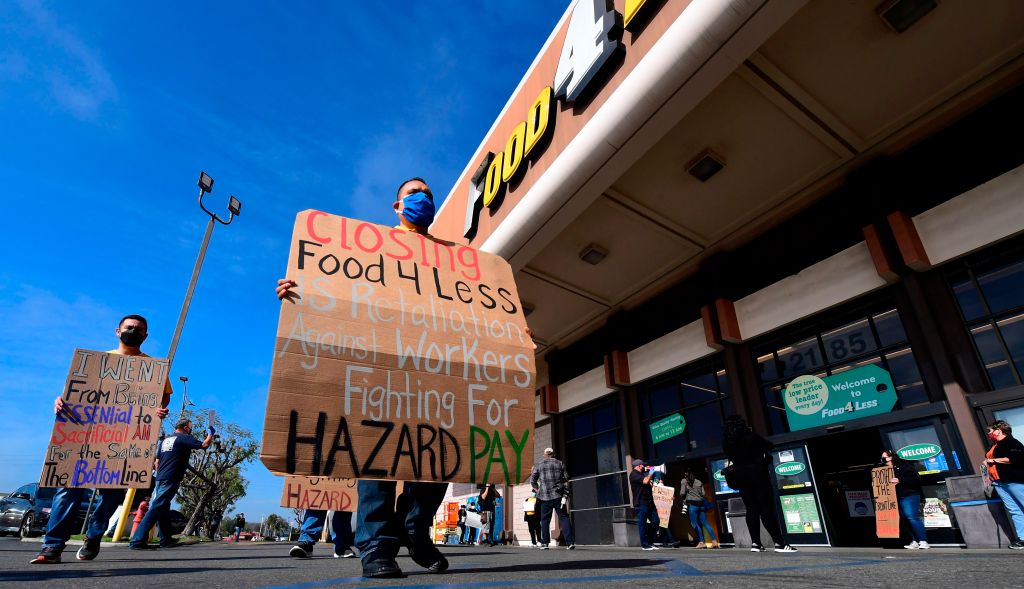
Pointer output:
109, 110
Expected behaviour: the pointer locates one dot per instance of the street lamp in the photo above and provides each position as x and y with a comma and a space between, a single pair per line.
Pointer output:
205, 184
184, 396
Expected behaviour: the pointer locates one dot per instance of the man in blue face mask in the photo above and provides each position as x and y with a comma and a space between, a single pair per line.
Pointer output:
384, 522
414, 205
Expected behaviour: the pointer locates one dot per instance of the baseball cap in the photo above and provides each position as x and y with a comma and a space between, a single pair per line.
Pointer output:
637, 463
549, 450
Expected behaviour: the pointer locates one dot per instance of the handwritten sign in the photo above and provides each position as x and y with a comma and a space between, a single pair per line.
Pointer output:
106, 436
663, 498
887, 515
320, 493
404, 358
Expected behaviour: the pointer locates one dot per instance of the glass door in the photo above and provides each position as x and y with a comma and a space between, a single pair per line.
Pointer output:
799, 507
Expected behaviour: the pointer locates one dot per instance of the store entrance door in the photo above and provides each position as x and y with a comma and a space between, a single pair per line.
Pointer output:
842, 464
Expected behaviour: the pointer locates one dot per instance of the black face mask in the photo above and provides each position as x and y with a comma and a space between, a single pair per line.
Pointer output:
132, 339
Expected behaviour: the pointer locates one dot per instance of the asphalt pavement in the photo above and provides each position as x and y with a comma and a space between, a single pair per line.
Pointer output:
266, 565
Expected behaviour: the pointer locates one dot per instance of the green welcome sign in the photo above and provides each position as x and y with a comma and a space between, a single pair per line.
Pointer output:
719, 476
860, 392
790, 469
919, 451
670, 427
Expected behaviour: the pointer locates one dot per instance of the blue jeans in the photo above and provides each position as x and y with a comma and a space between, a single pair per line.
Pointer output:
910, 509
64, 512
699, 521
546, 507
1012, 495
341, 528
159, 514
643, 514
382, 523
238, 532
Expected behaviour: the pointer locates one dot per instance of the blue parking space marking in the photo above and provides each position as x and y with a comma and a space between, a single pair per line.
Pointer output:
673, 568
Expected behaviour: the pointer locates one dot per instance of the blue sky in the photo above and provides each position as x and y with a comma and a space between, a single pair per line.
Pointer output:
109, 110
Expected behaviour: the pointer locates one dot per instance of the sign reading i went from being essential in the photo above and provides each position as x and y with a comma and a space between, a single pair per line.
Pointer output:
106, 435
812, 401
670, 427
404, 358
663, 497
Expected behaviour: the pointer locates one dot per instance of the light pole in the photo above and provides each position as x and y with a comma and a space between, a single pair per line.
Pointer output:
234, 209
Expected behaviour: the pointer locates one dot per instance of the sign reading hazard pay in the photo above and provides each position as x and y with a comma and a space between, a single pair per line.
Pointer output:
402, 357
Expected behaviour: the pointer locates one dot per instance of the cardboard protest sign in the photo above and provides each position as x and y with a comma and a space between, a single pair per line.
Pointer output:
663, 497
106, 435
320, 493
403, 358
887, 515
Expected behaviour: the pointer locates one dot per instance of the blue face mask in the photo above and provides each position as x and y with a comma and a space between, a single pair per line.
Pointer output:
418, 209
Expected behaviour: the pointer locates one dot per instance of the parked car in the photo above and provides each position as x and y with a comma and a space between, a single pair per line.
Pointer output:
26, 511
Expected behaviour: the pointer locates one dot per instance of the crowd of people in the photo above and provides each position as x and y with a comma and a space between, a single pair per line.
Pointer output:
386, 521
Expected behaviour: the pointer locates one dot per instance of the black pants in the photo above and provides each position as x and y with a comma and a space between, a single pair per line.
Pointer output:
555, 505
490, 528
533, 523
758, 498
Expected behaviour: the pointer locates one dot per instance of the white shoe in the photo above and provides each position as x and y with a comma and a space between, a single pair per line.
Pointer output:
786, 548
755, 547
912, 546
647, 548
923, 545
544, 547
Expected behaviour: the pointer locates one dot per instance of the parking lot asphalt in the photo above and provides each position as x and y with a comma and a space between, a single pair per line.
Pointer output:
266, 565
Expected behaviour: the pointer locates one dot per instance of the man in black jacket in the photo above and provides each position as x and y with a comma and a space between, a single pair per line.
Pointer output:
1005, 460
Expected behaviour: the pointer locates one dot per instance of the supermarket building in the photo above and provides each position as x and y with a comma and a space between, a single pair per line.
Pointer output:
806, 213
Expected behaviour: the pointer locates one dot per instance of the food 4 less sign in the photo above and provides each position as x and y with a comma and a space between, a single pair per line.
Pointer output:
812, 401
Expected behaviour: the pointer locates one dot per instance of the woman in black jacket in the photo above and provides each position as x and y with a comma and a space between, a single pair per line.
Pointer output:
487, 503
750, 455
908, 496
1005, 461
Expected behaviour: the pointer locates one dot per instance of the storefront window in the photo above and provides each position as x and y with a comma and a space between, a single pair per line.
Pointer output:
921, 445
990, 293
1013, 416
700, 396
595, 460
874, 339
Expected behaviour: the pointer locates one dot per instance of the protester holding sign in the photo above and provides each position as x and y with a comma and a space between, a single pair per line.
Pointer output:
643, 502
1005, 460
131, 331
382, 525
750, 456
908, 494
172, 462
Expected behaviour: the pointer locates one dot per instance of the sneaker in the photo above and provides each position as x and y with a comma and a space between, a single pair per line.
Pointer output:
173, 542
382, 568
544, 547
347, 553
426, 555
1018, 545
655, 547
47, 556
647, 548
571, 547
923, 545
301, 550
89, 550
786, 548
142, 546
912, 546
755, 547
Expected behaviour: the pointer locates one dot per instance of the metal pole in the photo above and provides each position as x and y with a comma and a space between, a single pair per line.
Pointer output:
88, 510
188, 295
184, 395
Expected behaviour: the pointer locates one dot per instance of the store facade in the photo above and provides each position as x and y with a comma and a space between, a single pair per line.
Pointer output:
808, 214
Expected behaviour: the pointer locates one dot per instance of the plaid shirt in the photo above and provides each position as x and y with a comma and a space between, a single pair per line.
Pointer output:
549, 478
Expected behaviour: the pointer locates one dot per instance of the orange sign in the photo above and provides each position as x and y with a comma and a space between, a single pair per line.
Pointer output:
887, 514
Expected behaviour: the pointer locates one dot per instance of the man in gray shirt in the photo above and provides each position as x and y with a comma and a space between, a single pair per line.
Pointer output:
550, 482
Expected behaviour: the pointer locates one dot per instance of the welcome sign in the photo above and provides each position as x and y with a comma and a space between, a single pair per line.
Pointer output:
403, 358
812, 401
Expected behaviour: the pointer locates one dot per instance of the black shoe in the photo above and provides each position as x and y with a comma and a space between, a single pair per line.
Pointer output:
89, 550
382, 568
426, 555
47, 556
143, 546
301, 550
1018, 545
755, 547
171, 543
